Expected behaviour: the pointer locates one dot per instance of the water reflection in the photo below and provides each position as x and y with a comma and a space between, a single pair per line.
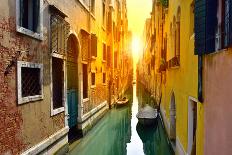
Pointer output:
119, 133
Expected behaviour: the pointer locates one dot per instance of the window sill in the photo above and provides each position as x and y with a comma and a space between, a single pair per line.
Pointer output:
104, 84
84, 5
93, 86
104, 61
57, 111
103, 27
85, 100
27, 99
93, 16
93, 58
29, 33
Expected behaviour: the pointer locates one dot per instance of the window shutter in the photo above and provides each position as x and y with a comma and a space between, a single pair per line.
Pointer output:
36, 10
230, 22
200, 26
211, 25
205, 26
94, 45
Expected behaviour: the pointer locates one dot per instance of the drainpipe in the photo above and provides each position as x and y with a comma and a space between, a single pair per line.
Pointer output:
200, 84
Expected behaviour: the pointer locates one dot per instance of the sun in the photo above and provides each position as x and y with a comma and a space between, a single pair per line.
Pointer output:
136, 47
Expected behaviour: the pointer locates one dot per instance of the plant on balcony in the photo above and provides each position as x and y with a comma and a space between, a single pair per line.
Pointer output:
162, 66
164, 3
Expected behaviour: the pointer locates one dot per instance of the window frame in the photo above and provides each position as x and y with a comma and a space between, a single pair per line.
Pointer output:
104, 83
92, 8
93, 85
103, 14
60, 109
82, 65
104, 52
22, 100
25, 31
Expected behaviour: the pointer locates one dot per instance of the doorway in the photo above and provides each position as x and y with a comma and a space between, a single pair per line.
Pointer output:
192, 126
72, 80
173, 118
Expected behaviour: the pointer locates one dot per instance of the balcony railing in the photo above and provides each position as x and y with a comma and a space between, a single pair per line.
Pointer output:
174, 62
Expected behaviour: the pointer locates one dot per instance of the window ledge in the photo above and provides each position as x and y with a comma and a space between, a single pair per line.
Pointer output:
103, 27
104, 61
93, 86
93, 16
84, 5
85, 100
30, 33
57, 111
175, 67
30, 99
93, 58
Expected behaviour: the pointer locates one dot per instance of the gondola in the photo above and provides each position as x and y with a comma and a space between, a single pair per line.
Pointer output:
147, 115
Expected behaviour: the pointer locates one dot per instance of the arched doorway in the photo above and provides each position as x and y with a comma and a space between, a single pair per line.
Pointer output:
72, 80
173, 118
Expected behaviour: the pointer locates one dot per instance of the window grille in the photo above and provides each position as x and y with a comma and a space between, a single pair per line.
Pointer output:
104, 78
59, 34
29, 81
93, 77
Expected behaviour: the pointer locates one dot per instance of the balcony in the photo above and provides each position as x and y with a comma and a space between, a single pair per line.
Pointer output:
174, 62
162, 67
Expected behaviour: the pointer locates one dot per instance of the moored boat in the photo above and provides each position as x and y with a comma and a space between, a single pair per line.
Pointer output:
122, 102
147, 115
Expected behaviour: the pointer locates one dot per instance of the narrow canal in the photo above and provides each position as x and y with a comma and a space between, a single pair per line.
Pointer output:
119, 133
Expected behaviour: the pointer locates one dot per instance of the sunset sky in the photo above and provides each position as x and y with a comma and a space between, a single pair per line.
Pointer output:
138, 11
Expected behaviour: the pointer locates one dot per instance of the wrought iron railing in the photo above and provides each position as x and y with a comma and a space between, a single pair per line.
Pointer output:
174, 62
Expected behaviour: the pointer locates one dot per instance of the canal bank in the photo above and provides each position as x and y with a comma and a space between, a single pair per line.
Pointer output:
118, 133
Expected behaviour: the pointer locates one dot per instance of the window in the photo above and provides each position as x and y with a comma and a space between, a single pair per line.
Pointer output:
103, 13
192, 18
29, 82
59, 36
57, 82
92, 6
93, 45
93, 78
104, 52
29, 17
108, 56
178, 33
85, 81
115, 59
104, 78
222, 24
212, 25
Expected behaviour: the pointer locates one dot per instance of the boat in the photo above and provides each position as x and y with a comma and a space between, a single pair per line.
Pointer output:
147, 115
122, 102
134, 82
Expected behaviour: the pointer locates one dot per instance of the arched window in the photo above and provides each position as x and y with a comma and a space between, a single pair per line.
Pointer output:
174, 35
178, 34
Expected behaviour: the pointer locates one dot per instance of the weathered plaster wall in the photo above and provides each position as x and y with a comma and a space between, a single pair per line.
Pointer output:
217, 88
182, 80
23, 126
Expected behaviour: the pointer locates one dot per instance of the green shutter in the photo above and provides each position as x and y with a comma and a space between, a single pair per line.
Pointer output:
36, 12
200, 26
230, 22
93, 45
211, 25
205, 26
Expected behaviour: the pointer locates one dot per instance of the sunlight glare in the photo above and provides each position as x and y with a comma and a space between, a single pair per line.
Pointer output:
136, 47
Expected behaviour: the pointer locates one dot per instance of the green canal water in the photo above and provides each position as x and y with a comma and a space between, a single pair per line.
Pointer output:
118, 132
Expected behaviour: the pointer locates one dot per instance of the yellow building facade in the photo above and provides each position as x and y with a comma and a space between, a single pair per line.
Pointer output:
175, 74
